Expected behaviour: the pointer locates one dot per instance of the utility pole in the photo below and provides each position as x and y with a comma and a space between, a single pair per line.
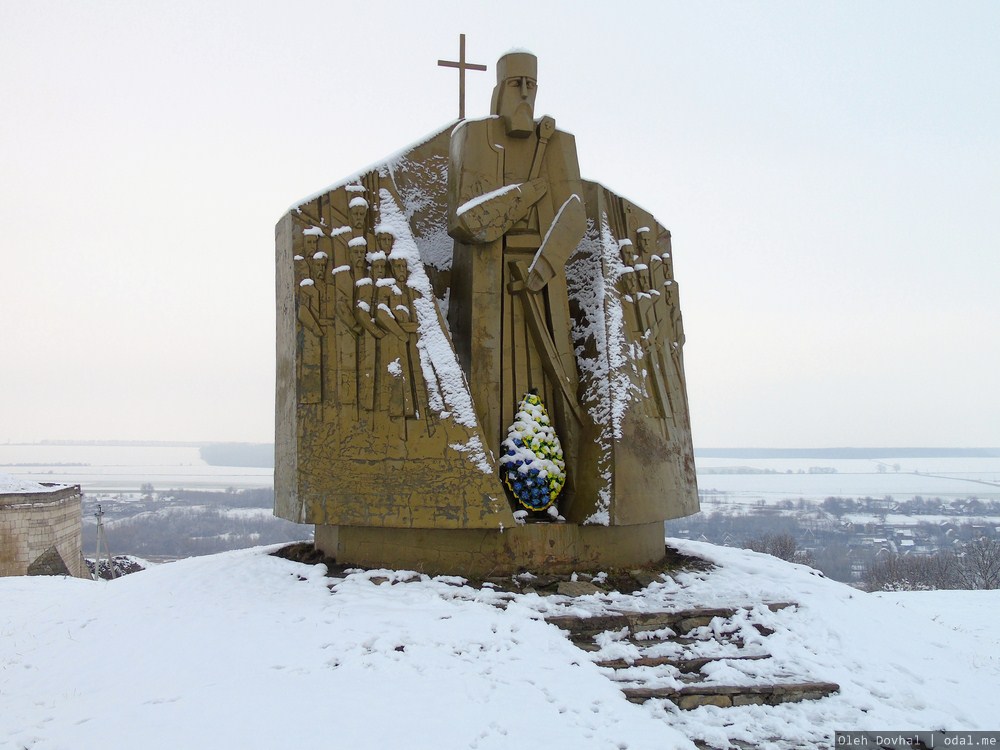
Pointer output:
102, 540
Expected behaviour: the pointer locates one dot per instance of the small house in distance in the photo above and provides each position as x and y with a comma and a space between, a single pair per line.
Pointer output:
40, 528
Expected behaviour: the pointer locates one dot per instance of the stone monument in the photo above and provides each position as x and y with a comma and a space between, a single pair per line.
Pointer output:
480, 357
40, 528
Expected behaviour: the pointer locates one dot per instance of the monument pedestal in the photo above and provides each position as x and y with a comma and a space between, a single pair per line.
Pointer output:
550, 547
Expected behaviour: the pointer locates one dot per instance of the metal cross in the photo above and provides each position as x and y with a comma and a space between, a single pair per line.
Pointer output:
462, 66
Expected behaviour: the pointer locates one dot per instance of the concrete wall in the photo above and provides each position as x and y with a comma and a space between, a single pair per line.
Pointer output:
32, 522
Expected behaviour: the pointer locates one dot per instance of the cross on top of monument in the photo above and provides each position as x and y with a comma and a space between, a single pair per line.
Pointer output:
462, 66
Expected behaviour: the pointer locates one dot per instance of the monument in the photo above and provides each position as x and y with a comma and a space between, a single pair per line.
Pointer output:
40, 528
480, 357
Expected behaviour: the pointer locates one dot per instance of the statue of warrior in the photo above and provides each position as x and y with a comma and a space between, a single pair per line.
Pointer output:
516, 213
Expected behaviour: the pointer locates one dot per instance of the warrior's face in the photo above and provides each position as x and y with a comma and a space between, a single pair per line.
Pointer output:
378, 268
317, 266
358, 253
516, 105
399, 270
630, 283
358, 214
514, 95
384, 241
643, 240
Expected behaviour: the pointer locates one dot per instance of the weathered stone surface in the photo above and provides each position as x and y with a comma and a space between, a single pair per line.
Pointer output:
589, 625
576, 588
652, 621
694, 701
49, 563
682, 665
748, 700
556, 548
681, 621
645, 577
690, 623
692, 696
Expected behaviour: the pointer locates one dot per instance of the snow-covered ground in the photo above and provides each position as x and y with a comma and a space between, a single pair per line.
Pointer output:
244, 650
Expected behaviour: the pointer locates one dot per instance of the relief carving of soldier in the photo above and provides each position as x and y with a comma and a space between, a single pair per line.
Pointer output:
310, 334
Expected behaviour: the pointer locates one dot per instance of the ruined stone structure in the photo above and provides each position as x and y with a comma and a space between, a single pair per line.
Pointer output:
40, 530
480, 357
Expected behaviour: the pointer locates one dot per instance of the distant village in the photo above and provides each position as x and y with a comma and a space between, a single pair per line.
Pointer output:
845, 537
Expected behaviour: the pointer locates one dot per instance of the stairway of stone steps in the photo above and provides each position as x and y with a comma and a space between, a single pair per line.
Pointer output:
670, 655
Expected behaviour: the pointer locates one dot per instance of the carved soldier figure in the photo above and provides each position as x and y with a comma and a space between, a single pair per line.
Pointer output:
357, 209
345, 328
674, 344
309, 345
515, 211
407, 319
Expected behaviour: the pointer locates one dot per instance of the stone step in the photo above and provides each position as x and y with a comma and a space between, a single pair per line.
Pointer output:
585, 643
773, 743
680, 621
693, 664
675, 627
701, 694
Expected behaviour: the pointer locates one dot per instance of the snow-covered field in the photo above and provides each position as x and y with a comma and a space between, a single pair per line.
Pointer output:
244, 650
820, 486
947, 478
125, 467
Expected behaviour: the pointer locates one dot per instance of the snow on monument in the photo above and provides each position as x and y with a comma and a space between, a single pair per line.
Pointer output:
480, 357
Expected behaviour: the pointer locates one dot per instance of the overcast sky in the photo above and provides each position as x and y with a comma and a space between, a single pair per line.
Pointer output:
830, 173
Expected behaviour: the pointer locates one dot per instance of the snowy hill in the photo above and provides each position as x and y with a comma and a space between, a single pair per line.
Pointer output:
247, 650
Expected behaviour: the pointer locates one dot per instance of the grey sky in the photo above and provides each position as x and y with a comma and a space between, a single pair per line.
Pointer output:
830, 172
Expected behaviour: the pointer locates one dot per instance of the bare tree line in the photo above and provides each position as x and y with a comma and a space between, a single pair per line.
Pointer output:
976, 566
184, 523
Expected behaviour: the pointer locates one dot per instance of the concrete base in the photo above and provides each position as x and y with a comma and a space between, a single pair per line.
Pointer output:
548, 547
